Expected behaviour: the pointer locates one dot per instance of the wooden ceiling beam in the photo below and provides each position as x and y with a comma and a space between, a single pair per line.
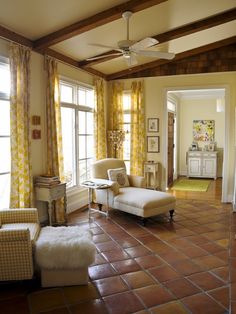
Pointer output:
94, 21
12, 36
188, 29
128, 73
72, 62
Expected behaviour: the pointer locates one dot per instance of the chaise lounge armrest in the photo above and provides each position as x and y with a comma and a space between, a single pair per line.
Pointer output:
137, 181
18, 215
11, 235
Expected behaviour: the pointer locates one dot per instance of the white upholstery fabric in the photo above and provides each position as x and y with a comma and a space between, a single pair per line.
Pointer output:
134, 199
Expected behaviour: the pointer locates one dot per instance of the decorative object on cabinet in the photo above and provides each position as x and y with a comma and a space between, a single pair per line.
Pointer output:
153, 144
194, 146
211, 147
151, 173
153, 125
202, 164
204, 130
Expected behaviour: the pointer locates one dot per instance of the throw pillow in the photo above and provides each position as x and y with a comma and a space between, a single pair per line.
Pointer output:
119, 175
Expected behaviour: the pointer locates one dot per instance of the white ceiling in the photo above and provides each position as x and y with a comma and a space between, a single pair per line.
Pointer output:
34, 19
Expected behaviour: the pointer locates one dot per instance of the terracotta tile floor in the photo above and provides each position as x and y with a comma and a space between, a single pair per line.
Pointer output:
165, 267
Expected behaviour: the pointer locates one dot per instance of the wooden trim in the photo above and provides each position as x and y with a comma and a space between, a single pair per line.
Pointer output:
128, 73
12, 36
94, 21
188, 29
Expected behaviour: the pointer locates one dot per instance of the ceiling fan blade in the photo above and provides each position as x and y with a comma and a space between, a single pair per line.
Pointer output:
155, 54
145, 43
105, 46
104, 56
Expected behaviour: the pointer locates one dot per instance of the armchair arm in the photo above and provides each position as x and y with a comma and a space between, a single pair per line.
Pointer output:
19, 215
137, 181
16, 259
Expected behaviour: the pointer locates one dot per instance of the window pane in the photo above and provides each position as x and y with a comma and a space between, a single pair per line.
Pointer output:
89, 163
5, 156
4, 190
126, 102
82, 122
4, 117
127, 165
126, 128
66, 93
82, 148
126, 147
82, 97
90, 147
68, 142
127, 118
4, 78
90, 98
82, 171
90, 123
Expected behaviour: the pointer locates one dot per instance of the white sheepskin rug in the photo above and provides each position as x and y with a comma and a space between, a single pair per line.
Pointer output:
64, 248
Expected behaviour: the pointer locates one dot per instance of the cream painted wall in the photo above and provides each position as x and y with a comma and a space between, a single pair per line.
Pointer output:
197, 109
155, 100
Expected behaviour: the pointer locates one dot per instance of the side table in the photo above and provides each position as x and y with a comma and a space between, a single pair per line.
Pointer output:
49, 194
95, 185
151, 170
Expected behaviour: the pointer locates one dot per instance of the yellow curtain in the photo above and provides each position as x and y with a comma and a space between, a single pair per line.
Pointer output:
99, 121
54, 135
21, 169
117, 117
138, 149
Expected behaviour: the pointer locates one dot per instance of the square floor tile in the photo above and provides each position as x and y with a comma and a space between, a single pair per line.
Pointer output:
164, 273
124, 303
19, 305
221, 295
83, 293
182, 288
91, 307
201, 303
137, 251
149, 261
206, 281
209, 262
110, 285
101, 271
154, 295
126, 266
138, 279
174, 307
187, 267
115, 255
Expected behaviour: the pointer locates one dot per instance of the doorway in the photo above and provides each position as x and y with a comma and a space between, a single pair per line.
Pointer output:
176, 149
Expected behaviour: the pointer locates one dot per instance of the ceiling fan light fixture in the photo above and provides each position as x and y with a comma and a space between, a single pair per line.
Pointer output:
127, 54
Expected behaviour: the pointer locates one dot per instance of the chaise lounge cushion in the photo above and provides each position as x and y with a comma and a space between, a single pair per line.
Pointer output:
143, 202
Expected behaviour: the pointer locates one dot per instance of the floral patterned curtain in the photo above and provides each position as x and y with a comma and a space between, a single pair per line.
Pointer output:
99, 121
138, 149
21, 169
117, 114
54, 135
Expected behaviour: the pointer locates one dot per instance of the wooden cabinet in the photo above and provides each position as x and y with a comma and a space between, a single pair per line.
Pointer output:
202, 164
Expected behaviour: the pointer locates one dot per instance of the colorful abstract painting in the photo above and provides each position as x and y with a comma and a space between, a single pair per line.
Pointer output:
204, 130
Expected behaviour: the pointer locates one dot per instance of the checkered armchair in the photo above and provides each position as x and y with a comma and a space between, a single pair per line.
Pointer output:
19, 229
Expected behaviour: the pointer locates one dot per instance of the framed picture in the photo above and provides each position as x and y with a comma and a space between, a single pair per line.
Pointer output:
153, 144
153, 125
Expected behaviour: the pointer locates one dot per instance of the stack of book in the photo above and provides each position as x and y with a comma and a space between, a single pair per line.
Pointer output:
47, 181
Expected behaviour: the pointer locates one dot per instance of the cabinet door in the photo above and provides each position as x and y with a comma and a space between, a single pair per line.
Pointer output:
209, 167
194, 166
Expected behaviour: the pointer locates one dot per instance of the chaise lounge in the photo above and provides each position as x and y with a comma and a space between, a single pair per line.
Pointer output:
128, 193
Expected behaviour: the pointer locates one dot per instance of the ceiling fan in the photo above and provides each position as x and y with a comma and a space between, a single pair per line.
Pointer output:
129, 48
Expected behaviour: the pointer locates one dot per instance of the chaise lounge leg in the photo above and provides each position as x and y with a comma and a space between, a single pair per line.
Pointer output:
171, 214
100, 206
144, 221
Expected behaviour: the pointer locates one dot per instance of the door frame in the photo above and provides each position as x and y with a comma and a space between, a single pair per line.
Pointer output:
224, 196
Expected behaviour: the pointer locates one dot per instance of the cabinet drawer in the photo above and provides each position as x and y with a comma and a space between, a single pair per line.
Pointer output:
57, 192
212, 155
192, 154
150, 168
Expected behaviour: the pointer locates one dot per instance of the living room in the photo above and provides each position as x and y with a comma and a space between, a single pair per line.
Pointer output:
156, 88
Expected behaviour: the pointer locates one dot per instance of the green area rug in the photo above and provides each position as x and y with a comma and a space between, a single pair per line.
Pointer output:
191, 185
